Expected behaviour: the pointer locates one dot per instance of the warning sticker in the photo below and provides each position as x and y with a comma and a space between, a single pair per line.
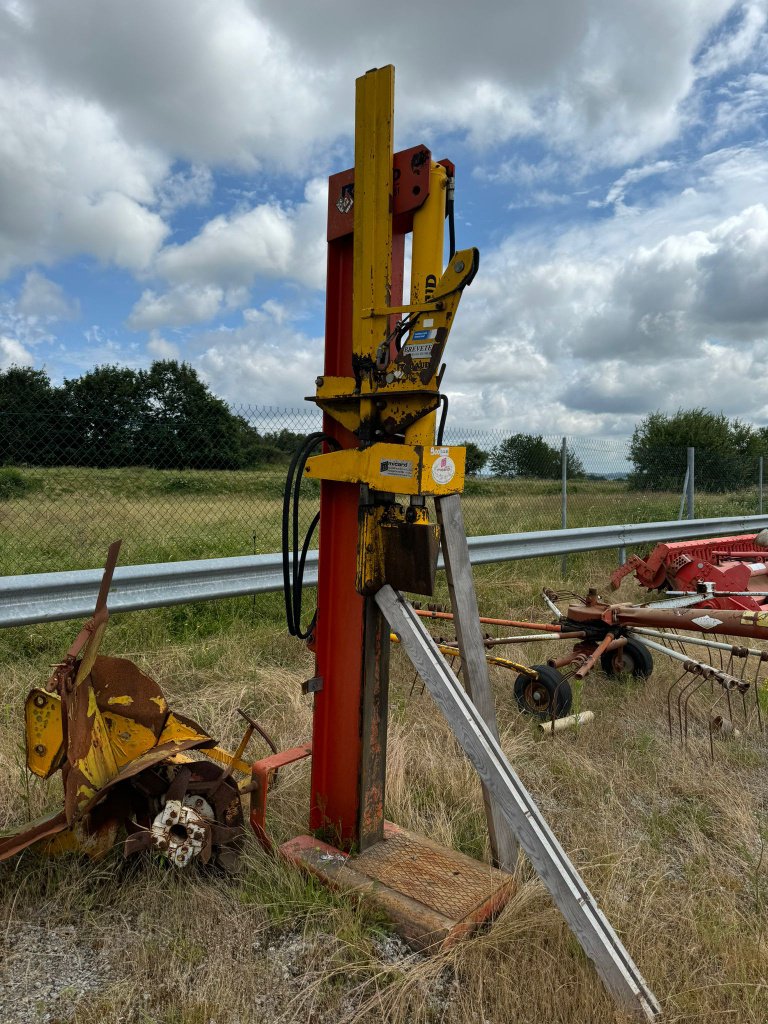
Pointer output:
396, 467
707, 621
443, 470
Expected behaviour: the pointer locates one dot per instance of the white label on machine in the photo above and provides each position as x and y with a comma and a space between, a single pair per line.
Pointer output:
396, 467
443, 470
439, 451
419, 351
707, 621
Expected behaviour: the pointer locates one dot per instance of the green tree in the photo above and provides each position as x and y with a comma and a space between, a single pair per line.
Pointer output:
106, 412
185, 425
476, 458
30, 418
529, 455
726, 450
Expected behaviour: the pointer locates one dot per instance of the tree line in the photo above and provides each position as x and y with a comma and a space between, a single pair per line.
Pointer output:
164, 417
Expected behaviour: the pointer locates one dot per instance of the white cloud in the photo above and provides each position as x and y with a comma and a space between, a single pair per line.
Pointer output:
618, 190
185, 304
160, 348
730, 48
267, 361
192, 187
270, 240
70, 183
268, 85
13, 353
40, 297
662, 308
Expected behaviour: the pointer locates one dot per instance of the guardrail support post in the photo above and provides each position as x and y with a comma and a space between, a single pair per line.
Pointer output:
564, 497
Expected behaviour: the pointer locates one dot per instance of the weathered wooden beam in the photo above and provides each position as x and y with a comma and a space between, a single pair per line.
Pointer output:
466, 617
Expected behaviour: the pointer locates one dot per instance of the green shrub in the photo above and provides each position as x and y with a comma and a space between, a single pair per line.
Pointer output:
14, 484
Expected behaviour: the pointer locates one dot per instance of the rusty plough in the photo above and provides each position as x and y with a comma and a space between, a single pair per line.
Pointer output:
133, 771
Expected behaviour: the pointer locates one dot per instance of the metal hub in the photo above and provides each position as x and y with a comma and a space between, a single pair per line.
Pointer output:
182, 830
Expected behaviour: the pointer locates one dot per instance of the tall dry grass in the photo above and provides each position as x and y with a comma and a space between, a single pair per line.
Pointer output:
670, 844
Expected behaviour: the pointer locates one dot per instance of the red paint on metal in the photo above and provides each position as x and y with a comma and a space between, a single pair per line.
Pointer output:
261, 772
730, 563
338, 640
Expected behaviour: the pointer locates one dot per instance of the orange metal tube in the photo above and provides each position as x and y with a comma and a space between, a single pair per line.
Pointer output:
604, 644
545, 627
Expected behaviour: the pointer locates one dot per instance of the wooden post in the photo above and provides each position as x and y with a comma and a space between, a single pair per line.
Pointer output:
466, 617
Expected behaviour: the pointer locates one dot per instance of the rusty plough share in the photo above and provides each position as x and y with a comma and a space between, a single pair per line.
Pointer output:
133, 771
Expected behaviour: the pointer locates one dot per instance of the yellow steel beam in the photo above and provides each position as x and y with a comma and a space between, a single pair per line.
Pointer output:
394, 468
374, 185
426, 271
374, 154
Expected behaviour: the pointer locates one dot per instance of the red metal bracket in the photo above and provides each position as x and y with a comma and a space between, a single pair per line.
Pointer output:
261, 773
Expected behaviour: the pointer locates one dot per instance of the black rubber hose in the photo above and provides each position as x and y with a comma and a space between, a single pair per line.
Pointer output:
443, 417
451, 220
293, 561
288, 576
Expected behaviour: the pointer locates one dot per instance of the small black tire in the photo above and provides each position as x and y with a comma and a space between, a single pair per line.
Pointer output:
546, 696
636, 658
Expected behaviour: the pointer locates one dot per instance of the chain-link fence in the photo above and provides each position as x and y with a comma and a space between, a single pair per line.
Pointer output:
181, 488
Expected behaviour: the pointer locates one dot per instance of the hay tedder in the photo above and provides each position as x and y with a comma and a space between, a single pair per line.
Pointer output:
711, 595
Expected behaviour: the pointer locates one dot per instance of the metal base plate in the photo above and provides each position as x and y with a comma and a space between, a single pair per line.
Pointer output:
434, 896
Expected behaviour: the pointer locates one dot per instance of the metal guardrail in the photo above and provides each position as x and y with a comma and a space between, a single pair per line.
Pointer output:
51, 596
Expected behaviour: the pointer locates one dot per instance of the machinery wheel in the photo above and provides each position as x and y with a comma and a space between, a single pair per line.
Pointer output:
636, 659
546, 696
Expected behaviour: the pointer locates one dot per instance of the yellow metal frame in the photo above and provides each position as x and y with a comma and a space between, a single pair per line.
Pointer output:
394, 468
394, 390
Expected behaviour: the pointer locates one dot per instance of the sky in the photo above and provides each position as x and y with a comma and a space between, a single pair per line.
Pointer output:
163, 172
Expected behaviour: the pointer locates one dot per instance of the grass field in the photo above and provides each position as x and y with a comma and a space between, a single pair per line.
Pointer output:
671, 845
65, 518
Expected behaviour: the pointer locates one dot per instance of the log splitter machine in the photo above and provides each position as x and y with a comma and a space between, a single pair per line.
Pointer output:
381, 460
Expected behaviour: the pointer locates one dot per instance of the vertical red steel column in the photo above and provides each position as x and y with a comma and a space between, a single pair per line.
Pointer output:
339, 631
344, 762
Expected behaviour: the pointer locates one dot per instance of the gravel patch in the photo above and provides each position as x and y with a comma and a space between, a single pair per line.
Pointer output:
44, 971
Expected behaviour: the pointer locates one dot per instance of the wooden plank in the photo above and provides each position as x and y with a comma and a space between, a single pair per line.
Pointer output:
466, 617
571, 895
375, 701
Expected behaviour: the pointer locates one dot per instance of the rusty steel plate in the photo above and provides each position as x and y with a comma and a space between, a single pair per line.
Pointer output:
433, 895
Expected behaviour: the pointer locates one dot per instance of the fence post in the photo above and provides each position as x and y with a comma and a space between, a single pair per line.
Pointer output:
564, 497
690, 488
760, 486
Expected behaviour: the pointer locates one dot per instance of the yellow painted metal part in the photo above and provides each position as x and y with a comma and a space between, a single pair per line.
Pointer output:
374, 186
176, 730
43, 732
395, 395
96, 765
76, 839
426, 271
396, 468
99, 623
453, 652
128, 738
397, 545
224, 757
